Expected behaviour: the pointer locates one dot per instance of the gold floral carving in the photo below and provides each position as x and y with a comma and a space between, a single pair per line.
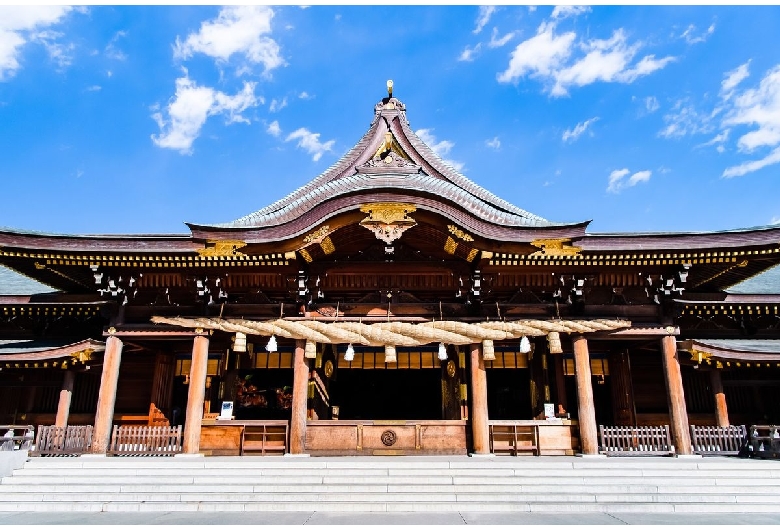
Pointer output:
450, 246
457, 232
305, 255
388, 220
555, 247
327, 245
222, 247
317, 236
472, 254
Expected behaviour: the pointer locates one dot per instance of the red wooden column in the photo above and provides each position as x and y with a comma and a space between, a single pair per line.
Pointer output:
678, 413
721, 410
109, 380
586, 416
300, 394
63, 407
479, 408
196, 394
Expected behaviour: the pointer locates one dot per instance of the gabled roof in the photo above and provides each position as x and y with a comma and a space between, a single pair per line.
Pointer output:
390, 162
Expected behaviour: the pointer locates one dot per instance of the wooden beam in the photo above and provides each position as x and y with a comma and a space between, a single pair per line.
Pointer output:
299, 399
107, 395
586, 409
479, 406
196, 394
721, 410
63, 406
678, 413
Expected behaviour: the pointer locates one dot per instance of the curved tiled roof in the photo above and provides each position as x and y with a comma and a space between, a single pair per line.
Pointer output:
433, 177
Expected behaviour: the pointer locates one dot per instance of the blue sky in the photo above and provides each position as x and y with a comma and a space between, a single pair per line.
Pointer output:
136, 119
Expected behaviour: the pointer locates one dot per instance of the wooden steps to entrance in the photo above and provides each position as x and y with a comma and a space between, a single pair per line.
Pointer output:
394, 484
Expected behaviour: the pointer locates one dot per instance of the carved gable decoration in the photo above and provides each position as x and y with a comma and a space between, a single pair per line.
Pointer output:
225, 247
390, 156
388, 220
555, 247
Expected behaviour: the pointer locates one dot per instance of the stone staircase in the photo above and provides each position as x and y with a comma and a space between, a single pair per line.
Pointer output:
394, 484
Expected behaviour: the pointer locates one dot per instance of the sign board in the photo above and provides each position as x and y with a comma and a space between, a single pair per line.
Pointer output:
549, 411
227, 411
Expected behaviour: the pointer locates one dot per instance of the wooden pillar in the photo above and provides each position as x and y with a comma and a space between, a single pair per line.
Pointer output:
300, 394
586, 409
721, 410
479, 407
623, 409
196, 394
678, 413
109, 380
560, 384
63, 407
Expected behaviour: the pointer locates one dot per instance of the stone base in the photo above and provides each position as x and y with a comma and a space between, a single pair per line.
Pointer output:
300, 455
188, 455
582, 455
685, 457
93, 455
482, 455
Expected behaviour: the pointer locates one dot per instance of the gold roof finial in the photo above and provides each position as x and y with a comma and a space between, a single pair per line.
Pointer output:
390, 88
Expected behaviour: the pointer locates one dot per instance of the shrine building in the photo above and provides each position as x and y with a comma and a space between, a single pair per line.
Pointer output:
390, 306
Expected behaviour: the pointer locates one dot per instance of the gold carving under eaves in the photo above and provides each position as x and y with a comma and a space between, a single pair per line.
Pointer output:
555, 247
224, 247
318, 235
460, 234
388, 220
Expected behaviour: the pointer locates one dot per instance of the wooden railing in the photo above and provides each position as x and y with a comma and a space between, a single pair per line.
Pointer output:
711, 440
635, 441
764, 441
145, 440
73, 440
513, 439
269, 438
16, 437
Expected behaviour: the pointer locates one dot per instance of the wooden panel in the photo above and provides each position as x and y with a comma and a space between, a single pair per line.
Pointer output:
221, 440
365, 437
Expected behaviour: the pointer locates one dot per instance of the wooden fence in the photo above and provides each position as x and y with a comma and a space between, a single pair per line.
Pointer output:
72, 440
764, 441
513, 439
635, 441
710, 440
145, 440
16, 437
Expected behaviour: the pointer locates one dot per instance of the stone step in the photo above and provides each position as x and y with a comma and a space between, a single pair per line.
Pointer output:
394, 488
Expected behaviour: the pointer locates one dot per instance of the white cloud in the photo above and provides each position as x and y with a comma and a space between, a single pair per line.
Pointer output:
775, 220
546, 56
441, 148
274, 129
58, 52
20, 25
561, 12
191, 107
685, 119
278, 104
734, 78
759, 107
494, 143
94, 88
240, 30
754, 165
485, 12
305, 95
496, 41
541, 55
617, 180
691, 38
573, 134
469, 54
717, 141
651, 104
112, 52
310, 142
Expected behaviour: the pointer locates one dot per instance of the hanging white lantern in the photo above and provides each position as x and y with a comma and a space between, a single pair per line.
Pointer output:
525, 345
349, 355
488, 353
271, 346
390, 354
310, 350
239, 344
442, 352
554, 341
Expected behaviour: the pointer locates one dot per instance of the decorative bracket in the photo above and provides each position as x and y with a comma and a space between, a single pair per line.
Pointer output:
388, 220
555, 247
223, 247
